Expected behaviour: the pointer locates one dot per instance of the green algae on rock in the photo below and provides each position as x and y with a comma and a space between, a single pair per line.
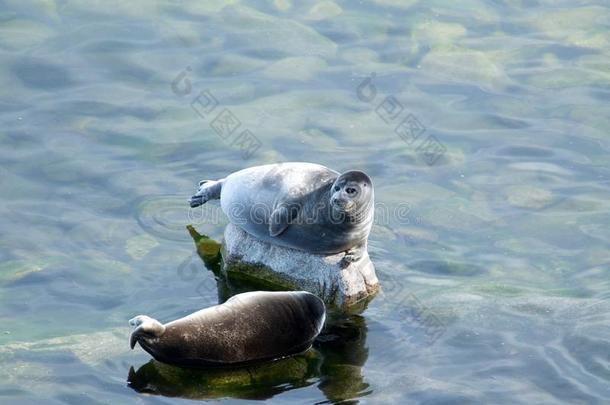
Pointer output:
255, 264
337, 285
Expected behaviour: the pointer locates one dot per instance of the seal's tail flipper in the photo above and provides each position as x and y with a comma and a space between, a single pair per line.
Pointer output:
208, 190
145, 326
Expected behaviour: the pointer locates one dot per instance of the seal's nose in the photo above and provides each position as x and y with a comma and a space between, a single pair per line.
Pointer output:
340, 202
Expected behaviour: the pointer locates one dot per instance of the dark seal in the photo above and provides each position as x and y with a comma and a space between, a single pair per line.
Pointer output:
247, 328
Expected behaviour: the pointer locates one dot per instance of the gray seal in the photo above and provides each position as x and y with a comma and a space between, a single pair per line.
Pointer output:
247, 328
303, 206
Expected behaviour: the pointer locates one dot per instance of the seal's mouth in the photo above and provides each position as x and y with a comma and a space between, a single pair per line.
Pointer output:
344, 205
196, 201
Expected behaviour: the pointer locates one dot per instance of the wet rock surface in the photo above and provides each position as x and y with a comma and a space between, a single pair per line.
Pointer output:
337, 284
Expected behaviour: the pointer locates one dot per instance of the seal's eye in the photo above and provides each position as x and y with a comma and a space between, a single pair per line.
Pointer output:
350, 190
336, 188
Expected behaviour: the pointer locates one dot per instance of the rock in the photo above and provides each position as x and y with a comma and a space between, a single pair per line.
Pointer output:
360, 56
464, 65
316, 137
139, 246
23, 34
403, 4
282, 5
90, 348
13, 270
206, 8
580, 26
432, 33
263, 33
234, 64
324, 10
528, 197
289, 268
295, 68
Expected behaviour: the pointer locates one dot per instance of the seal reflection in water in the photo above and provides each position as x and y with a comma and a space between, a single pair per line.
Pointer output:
249, 327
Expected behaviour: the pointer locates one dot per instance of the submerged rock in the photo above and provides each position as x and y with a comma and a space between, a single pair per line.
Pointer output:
139, 246
528, 197
265, 33
90, 348
289, 268
359, 56
20, 34
324, 10
235, 64
575, 26
282, 5
432, 33
295, 68
403, 4
458, 64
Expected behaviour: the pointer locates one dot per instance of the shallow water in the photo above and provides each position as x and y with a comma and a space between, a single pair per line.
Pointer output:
492, 233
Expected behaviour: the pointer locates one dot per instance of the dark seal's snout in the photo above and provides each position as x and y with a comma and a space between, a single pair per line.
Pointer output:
316, 309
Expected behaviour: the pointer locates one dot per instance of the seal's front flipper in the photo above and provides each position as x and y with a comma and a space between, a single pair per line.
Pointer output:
282, 216
208, 190
279, 220
353, 255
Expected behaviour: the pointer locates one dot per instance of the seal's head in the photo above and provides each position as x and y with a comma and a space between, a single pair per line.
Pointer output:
351, 192
146, 329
